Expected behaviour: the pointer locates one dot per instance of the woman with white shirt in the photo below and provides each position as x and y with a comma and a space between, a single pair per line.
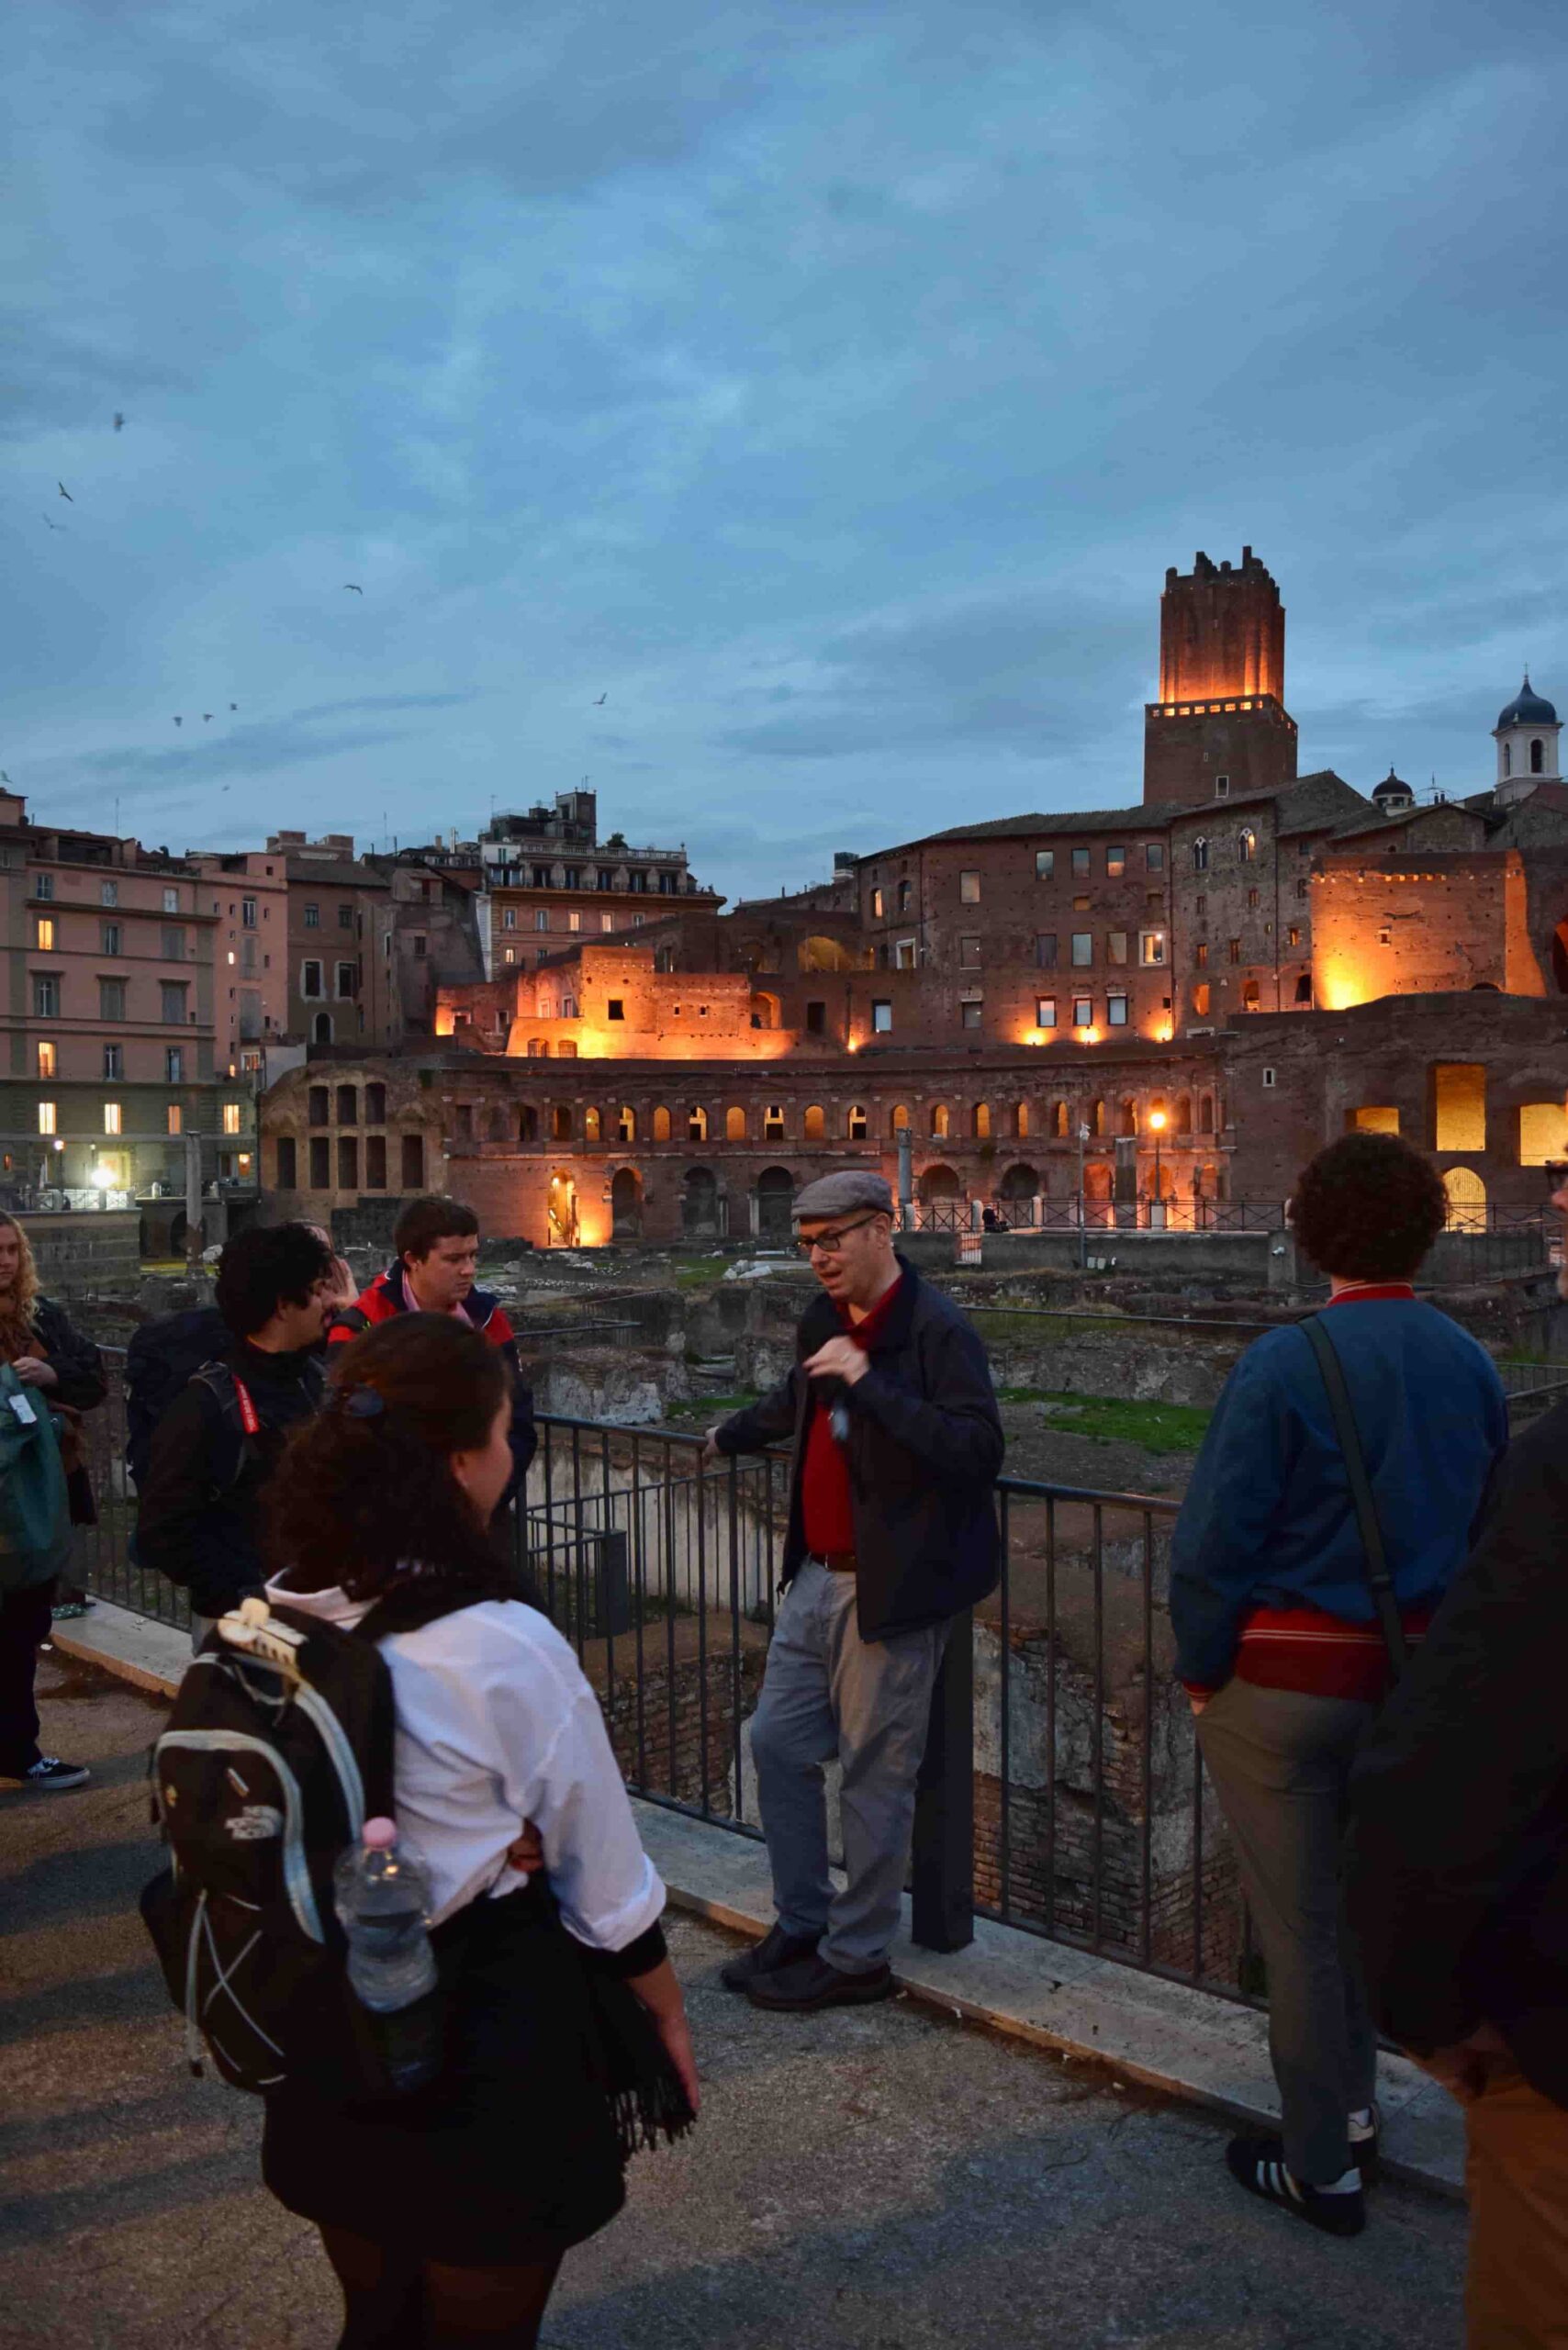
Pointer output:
446, 2214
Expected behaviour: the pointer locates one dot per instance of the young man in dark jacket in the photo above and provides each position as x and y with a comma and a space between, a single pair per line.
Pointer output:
437, 1243
220, 1439
891, 1533
1457, 1885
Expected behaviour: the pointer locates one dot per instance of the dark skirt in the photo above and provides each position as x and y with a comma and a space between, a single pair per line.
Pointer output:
513, 2155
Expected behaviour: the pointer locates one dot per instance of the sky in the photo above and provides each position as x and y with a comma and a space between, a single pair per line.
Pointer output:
826, 386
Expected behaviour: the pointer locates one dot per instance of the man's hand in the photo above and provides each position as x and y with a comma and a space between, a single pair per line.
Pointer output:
527, 1855
1198, 1699
1465, 2068
711, 1444
34, 1372
840, 1359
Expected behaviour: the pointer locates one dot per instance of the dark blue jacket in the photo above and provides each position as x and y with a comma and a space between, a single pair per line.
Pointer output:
1267, 1521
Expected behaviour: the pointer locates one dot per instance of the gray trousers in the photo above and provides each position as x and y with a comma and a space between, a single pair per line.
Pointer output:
1281, 1764
827, 1694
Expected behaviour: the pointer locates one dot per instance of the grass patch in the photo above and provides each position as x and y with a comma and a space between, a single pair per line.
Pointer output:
702, 1411
1106, 1419
701, 1272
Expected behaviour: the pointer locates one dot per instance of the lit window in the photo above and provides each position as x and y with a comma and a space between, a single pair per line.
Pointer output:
1151, 946
176, 1119
511, 955
881, 1017
231, 1118
46, 1060
46, 933
573, 921
1201, 1000
1082, 1012
968, 888
1293, 937
1461, 1106
1045, 1012
1082, 948
1045, 864
46, 1118
1201, 953
541, 918
876, 905
607, 921
111, 1117
1234, 948
1246, 845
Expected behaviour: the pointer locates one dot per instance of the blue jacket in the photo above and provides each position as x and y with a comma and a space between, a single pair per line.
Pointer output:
1267, 1521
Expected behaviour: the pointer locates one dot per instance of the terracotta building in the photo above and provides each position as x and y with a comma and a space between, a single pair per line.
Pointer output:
548, 880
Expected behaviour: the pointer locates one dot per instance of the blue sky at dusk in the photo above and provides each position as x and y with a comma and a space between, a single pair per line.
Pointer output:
828, 386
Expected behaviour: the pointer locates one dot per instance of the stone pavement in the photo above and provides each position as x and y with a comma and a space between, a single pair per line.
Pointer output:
871, 2180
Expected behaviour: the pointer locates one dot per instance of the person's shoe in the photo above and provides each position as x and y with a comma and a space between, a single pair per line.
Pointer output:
1259, 2165
1366, 2147
67, 1609
775, 1949
811, 1983
48, 1770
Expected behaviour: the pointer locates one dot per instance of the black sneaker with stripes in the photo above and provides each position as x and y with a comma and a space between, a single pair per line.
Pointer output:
1259, 2165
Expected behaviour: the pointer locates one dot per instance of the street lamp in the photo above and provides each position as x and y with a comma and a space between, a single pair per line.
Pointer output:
1082, 1220
1156, 1213
101, 1178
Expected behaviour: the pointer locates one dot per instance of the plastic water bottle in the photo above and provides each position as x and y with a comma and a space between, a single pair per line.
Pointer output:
382, 1894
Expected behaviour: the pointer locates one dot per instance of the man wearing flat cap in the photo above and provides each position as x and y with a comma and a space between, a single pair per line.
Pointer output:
891, 1533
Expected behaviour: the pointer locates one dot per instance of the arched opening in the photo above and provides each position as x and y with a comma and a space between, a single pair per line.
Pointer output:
1183, 1113
321, 1034
626, 1123
775, 1198
1249, 998
590, 1125
1537, 755
1205, 1113
904, 896
626, 1204
1507, 758
940, 1122
980, 1121
1126, 1115
1467, 1199
826, 954
563, 1207
734, 1124
661, 1123
899, 1116
1098, 1121
497, 1123
854, 1122
765, 1011
1098, 1185
939, 1187
561, 1121
1020, 1182
1020, 1120
1200, 857
700, 1205
697, 1124
1246, 845
538, 1049
527, 1122
814, 1125
1062, 1121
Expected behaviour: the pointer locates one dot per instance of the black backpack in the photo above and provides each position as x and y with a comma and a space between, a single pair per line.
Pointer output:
278, 1749
161, 1360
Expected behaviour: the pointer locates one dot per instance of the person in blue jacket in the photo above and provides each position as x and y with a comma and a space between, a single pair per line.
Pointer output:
1278, 1637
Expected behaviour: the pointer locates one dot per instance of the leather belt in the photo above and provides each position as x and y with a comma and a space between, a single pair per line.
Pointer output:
841, 1561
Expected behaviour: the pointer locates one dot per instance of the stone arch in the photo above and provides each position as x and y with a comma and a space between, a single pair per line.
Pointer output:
1206, 1113
700, 1203
697, 1123
592, 1123
980, 1121
938, 1182
626, 1204
1183, 1113
321, 1033
734, 1124
900, 1115
941, 1122
527, 1122
774, 1200
1097, 1121
625, 1123
1126, 1115
826, 954
765, 1009
855, 1125
1020, 1182
1062, 1121
1467, 1199
497, 1123
539, 1048
1097, 1180
814, 1127
561, 1203
561, 1121
1020, 1120
661, 1123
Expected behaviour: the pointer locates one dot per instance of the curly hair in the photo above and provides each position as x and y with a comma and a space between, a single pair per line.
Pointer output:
19, 1310
267, 1265
364, 1496
1368, 1208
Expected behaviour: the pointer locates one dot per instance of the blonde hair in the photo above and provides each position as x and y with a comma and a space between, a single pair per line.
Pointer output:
16, 1311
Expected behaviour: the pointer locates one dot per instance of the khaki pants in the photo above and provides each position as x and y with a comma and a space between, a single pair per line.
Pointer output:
1517, 2173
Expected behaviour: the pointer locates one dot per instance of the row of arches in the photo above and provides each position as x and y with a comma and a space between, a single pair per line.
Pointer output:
1055, 1120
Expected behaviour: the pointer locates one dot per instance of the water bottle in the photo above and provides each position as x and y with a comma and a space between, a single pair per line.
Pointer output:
381, 1892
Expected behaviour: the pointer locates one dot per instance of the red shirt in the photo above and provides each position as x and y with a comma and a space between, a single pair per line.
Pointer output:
825, 1510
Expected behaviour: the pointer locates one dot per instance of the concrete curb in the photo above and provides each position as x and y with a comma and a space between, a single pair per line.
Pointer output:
1190, 2043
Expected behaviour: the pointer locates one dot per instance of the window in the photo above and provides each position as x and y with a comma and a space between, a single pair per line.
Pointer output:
904, 955
603, 877
1459, 1105
541, 918
573, 921
310, 980
176, 1118
1200, 857
511, 955
345, 979
980, 1121
112, 1121
175, 996
970, 1014
1251, 897
1301, 889
876, 905
114, 1060
345, 917
111, 998
312, 917
1293, 937
940, 1122
420, 944
661, 1124
855, 1126
1115, 863
1250, 996
591, 1123
1045, 1012
1268, 1079
1201, 954
108, 893
413, 1156
968, 954
773, 1123
1304, 988
607, 921
110, 937
171, 901
1081, 860
248, 914
1201, 1000
881, 1017
1246, 845
1083, 1011
816, 1018
508, 918
904, 896
968, 888
1045, 864
1116, 946
1233, 946
1375, 1118
1151, 948
1222, 786
1200, 904
348, 1107
814, 1125
43, 885
46, 1118
1544, 1134
47, 1060
1154, 857
1083, 949
1046, 950
172, 943
1116, 1012
1538, 758
375, 1162
44, 938
46, 995
320, 1163
175, 1064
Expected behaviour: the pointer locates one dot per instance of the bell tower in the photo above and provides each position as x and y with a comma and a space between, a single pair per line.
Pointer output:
1220, 728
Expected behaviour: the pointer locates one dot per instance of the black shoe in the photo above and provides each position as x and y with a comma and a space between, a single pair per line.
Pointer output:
1366, 2151
775, 1949
48, 1770
1259, 2165
811, 1983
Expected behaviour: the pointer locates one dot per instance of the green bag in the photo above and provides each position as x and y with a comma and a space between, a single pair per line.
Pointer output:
35, 1508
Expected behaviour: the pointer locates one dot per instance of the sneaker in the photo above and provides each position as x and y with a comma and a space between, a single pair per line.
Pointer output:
1259, 2165
1366, 2147
811, 1983
48, 1770
775, 1949
68, 1609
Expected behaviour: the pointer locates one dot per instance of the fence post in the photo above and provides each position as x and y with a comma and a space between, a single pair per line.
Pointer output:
944, 1870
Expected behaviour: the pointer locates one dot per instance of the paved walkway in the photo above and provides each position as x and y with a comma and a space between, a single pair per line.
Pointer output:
873, 2180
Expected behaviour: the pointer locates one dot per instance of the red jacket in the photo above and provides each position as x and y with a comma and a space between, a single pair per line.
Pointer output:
387, 1295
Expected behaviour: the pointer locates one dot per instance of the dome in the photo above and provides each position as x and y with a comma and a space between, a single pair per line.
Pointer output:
1391, 788
1527, 708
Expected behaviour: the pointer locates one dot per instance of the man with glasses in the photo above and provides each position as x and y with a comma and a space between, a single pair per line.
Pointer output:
891, 1533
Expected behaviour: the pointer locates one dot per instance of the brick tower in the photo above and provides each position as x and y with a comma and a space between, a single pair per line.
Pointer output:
1220, 728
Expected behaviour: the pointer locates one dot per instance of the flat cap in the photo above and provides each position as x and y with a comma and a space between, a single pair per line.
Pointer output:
842, 1194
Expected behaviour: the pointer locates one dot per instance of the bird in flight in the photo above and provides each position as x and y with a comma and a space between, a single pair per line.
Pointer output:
207, 718
600, 702
65, 493
4, 776
351, 588
233, 705
179, 721
54, 526
119, 420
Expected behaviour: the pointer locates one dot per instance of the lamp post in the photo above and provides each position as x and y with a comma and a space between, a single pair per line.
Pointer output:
1156, 1209
1083, 1219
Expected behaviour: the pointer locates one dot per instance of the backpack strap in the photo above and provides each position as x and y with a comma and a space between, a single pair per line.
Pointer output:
1376, 1557
353, 1319
235, 1402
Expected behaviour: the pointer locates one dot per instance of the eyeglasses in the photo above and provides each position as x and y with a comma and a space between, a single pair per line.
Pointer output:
830, 1242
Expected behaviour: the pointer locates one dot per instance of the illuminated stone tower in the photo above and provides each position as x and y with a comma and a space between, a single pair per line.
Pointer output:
1220, 728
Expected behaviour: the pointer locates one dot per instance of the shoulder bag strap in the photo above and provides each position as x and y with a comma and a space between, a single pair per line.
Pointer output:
1378, 1575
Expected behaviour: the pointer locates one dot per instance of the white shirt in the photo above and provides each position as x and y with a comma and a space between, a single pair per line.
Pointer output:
496, 1726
